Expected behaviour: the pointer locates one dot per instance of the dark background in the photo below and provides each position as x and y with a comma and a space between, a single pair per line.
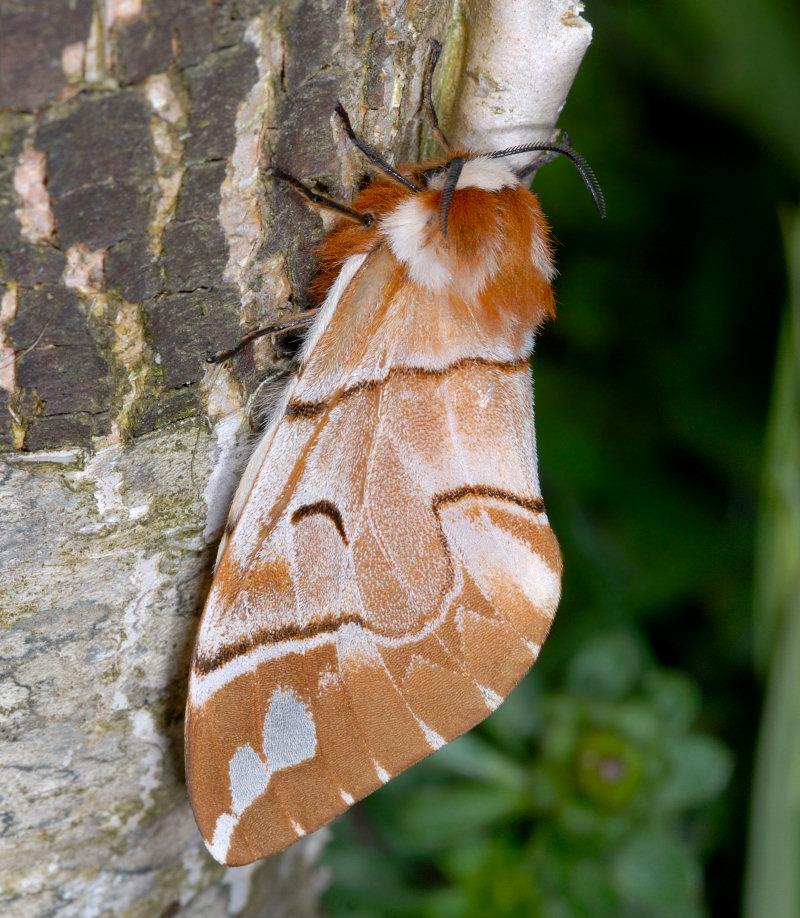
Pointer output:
616, 781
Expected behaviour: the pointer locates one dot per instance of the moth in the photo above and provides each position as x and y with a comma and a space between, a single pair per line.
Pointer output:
388, 573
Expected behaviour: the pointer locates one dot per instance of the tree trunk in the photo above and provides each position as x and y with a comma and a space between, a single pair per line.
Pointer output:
137, 230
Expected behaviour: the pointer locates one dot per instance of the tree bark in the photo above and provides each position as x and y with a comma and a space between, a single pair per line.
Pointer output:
137, 230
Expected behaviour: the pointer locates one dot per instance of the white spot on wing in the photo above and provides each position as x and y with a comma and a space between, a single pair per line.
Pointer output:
328, 680
249, 778
534, 648
435, 741
491, 698
381, 772
222, 837
357, 645
290, 736
346, 797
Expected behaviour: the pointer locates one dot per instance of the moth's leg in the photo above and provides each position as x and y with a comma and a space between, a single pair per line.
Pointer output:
304, 318
300, 320
436, 50
375, 158
318, 199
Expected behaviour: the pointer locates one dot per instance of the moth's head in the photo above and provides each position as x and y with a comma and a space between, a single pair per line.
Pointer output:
466, 225
467, 171
472, 217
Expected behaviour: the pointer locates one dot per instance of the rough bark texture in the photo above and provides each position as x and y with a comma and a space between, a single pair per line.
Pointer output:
136, 230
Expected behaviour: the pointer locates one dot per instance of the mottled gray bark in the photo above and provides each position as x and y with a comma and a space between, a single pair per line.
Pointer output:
136, 230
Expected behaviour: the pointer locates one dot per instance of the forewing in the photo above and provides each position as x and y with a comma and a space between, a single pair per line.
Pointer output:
390, 579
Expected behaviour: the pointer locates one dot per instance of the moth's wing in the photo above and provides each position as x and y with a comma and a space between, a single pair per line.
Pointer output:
390, 579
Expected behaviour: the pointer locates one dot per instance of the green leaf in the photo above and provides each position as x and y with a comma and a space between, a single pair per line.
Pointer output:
504, 886
698, 769
658, 876
606, 667
434, 817
674, 697
471, 756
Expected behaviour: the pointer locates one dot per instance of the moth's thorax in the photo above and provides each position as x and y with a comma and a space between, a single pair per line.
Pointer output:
495, 256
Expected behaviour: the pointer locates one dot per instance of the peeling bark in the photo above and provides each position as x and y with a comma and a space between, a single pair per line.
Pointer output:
136, 230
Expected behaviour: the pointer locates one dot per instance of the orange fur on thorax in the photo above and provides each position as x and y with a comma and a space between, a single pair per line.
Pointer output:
497, 225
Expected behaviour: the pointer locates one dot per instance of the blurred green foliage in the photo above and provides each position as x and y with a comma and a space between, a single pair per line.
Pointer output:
615, 782
773, 875
568, 802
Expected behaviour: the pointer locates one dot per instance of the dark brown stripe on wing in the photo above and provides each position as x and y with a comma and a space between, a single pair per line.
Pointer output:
535, 505
305, 410
325, 508
204, 665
